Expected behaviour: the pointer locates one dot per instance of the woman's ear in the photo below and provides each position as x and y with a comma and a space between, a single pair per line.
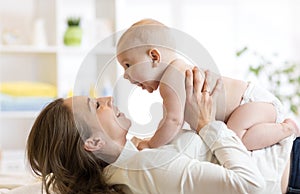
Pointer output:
155, 56
93, 144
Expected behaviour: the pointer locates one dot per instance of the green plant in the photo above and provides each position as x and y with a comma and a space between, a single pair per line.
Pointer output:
282, 78
73, 21
73, 34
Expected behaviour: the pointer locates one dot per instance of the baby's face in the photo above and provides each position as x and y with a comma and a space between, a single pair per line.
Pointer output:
140, 70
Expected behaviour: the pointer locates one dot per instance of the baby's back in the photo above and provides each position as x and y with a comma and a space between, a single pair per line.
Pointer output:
234, 89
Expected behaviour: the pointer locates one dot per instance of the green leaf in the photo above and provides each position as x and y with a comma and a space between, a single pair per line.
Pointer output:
279, 75
240, 52
289, 70
291, 80
256, 70
294, 109
73, 21
278, 83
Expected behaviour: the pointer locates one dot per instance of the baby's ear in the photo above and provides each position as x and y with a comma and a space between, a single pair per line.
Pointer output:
154, 55
93, 144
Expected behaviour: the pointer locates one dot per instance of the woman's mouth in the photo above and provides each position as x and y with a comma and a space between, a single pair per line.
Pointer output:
117, 111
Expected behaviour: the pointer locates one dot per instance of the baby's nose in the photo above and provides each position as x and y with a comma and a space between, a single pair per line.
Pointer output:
126, 76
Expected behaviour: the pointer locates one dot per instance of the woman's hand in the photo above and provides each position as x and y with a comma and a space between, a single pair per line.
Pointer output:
200, 106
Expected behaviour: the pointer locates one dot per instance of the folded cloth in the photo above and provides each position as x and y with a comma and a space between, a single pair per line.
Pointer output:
4, 191
35, 188
12, 103
24, 88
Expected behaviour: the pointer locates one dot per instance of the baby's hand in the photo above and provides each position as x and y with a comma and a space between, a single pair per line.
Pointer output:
136, 141
143, 144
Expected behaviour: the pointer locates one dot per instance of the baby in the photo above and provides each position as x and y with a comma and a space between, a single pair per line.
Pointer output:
146, 52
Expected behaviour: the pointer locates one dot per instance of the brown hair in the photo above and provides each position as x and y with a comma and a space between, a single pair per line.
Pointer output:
55, 150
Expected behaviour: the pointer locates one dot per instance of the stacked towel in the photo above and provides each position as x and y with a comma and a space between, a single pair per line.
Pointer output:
25, 96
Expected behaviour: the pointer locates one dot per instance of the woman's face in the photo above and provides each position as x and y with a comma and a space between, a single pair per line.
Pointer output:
102, 116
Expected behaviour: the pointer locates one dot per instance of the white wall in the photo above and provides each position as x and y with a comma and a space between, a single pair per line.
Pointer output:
225, 26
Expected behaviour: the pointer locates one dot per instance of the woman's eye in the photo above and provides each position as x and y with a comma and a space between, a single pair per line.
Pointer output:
97, 105
127, 65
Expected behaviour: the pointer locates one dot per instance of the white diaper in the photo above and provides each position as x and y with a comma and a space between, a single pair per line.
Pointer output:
255, 93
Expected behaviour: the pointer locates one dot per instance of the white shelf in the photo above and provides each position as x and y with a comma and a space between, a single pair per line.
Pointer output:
55, 63
18, 114
79, 50
108, 50
27, 49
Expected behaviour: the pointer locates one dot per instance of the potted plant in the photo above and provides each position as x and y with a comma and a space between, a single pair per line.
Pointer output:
280, 77
73, 34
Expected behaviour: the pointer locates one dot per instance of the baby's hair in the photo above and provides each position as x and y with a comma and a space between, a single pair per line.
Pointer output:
146, 32
148, 21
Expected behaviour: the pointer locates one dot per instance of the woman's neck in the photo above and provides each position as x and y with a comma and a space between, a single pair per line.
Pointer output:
110, 152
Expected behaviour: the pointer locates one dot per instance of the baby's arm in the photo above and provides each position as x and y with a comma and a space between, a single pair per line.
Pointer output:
172, 91
172, 121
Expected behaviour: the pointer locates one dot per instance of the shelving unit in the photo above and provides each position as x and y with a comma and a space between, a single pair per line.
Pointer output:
27, 49
18, 114
23, 59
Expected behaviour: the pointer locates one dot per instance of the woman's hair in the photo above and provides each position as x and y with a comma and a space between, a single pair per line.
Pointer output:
55, 150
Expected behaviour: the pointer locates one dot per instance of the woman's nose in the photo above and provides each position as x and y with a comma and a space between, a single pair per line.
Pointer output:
108, 101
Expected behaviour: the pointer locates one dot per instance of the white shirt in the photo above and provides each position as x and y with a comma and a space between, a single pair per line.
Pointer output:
194, 164
214, 162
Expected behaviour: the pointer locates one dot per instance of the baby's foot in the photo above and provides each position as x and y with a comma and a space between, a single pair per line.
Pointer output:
293, 125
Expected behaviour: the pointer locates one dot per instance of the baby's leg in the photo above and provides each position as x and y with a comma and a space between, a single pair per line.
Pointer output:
250, 114
293, 125
255, 124
266, 134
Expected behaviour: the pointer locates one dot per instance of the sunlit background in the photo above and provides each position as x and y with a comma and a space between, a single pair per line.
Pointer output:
255, 40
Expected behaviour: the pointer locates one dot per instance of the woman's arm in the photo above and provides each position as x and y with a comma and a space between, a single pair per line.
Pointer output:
237, 173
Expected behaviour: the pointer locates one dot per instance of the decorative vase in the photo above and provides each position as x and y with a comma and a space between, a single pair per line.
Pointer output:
73, 36
39, 37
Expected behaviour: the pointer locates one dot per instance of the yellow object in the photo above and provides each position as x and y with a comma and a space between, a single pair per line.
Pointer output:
70, 93
93, 93
24, 88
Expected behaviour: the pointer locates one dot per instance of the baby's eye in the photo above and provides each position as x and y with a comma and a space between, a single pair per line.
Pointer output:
97, 105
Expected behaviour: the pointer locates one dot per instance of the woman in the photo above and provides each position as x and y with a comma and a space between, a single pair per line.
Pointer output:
88, 152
